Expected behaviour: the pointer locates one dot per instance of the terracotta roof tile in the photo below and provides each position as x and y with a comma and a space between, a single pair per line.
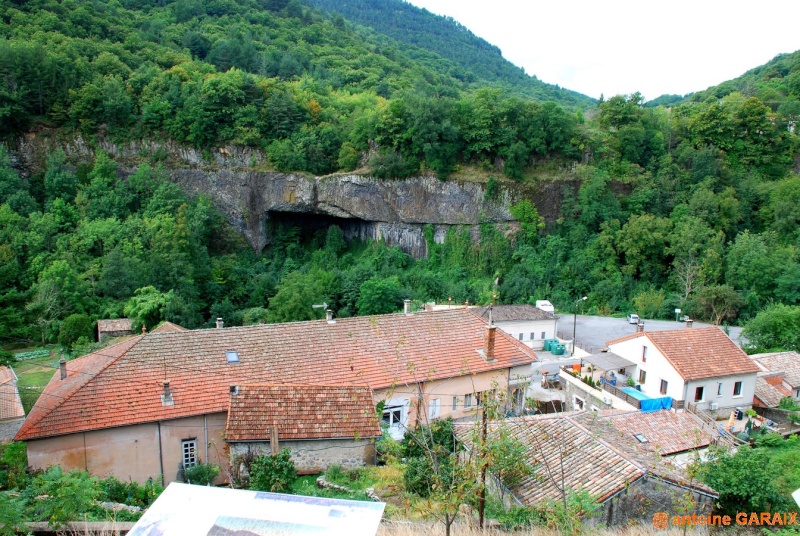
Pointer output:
697, 353
554, 442
786, 362
770, 395
10, 403
501, 313
122, 385
168, 327
301, 412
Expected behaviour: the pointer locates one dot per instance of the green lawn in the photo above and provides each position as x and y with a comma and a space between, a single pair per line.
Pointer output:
34, 375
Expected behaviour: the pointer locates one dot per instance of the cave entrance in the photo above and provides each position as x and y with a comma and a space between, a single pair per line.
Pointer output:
311, 224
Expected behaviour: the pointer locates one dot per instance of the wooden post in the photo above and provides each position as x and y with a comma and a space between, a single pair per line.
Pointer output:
484, 464
273, 439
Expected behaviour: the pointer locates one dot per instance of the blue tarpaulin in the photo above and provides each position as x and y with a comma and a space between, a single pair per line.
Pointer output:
655, 404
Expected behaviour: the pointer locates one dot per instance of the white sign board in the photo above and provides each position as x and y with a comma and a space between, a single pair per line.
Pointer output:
186, 510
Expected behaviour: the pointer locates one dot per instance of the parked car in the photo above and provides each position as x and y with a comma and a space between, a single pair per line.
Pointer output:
633, 318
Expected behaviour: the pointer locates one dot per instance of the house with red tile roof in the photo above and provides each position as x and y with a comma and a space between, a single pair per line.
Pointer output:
127, 410
696, 365
11, 411
779, 377
624, 460
322, 425
527, 323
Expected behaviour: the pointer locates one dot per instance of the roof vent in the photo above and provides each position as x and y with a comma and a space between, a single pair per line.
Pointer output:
166, 396
329, 316
62, 365
689, 322
232, 356
407, 307
220, 323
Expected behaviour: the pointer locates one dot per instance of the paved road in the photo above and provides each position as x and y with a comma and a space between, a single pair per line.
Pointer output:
594, 331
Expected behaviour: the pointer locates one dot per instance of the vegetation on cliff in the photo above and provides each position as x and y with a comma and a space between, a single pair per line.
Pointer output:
691, 207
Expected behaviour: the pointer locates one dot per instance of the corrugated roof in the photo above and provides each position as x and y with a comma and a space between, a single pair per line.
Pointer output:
301, 412
122, 384
697, 353
786, 362
10, 402
502, 313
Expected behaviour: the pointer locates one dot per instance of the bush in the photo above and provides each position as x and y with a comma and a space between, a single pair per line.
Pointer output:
202, 474
13, 465
130, 493
273, 473
73, 328
439, 435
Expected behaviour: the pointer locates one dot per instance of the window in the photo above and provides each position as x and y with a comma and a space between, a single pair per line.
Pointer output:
533, 335
698, 394
737, 389
232, 356
520, 336
642, 376
578, 403
189, 448
663, 389
393, 415
640, 438
467, 401
433, 408
719, 388
455, 403
543, 335
644, 354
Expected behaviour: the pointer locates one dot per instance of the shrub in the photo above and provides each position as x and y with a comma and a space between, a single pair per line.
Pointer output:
13, 465
73, 328
438, 435
202, 474
273, 473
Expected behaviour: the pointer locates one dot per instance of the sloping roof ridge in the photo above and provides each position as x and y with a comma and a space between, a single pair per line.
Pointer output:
628, 337
625, 456
79, 385
301, 384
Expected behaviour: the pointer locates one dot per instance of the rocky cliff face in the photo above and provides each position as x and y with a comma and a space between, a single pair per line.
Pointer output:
393, 210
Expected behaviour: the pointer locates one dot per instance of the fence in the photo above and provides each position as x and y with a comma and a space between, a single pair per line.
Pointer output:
725, 437
619, 393
578, 344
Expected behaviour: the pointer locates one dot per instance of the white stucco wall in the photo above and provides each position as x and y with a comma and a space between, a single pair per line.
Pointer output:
655, 365
726, 398
527, 328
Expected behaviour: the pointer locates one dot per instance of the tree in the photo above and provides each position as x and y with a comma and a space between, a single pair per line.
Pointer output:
717, 303
73, 328
379, 296
147, 307
776, 328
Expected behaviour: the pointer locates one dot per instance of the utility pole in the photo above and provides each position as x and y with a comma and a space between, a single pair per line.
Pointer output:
484, 466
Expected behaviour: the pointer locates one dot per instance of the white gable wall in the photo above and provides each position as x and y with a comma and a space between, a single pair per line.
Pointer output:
528, 327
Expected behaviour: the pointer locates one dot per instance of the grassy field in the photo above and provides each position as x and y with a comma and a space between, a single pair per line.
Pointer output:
34, 375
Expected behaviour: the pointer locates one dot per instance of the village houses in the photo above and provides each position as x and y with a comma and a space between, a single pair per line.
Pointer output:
154, 403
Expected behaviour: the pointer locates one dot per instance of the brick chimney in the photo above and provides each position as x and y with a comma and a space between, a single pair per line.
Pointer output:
329, 316
407, 307
488, 347
640, 327
62, 365
220, 323
689, 322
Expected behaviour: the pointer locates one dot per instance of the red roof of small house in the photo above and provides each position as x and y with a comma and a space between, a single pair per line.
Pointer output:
301, 412
10, 403
698, 353
168, 327
123, 384
786, 362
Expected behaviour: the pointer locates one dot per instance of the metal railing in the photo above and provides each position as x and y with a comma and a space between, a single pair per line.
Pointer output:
619, 393
724, 436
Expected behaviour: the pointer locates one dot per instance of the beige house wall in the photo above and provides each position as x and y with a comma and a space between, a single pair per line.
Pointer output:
133, 453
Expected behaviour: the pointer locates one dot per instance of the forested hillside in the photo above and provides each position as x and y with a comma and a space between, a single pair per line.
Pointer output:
691, 207
448, 38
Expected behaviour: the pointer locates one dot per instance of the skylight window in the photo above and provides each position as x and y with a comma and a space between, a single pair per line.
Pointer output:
640, 438
232, 356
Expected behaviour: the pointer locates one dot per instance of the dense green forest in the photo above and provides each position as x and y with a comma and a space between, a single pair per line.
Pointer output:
692, 206
480, 60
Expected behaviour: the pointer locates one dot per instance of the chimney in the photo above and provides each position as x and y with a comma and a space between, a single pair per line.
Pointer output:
220, 323
166, 396
489, 343
640, 327
689, 322
62, 365
407, 307
329, 316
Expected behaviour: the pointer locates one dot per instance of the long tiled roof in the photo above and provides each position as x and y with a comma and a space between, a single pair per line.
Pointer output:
114, 325
10, 403
697, 353
786, 362
122, 384
301, 412
501, 313
554, 444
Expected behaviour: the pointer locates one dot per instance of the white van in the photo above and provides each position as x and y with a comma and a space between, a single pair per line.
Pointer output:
633, 318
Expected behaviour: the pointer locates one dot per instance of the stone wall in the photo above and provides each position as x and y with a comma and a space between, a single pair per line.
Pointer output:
316, 456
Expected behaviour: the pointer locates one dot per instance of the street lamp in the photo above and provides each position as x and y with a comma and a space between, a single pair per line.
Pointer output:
575, 321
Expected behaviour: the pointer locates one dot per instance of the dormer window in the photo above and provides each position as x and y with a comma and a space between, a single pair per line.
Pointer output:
232, 356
